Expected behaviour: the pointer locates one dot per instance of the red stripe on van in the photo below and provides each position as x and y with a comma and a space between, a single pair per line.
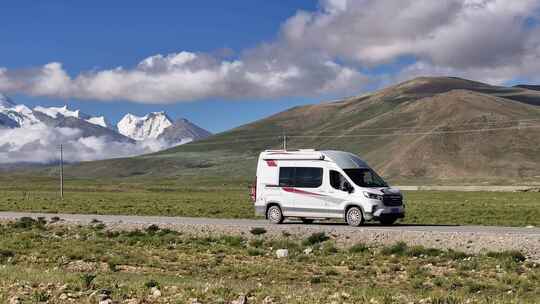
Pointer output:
271, 163
298, 191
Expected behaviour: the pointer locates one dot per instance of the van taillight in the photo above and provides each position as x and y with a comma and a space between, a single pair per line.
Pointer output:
253, 191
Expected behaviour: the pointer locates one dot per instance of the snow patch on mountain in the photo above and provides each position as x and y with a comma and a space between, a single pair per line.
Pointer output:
100, 121
145, 127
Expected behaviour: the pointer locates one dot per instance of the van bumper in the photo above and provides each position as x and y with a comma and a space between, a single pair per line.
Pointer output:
389, 212
389, 215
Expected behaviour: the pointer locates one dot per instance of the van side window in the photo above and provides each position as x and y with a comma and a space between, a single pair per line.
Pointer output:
301, 177
337, 181
286, 177
308, 177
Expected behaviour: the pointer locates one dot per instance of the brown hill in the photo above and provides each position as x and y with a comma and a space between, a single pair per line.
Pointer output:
424, 129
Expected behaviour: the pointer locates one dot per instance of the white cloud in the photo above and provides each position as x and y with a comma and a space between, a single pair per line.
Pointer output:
40, 144
481, 39
184, 77
322, 52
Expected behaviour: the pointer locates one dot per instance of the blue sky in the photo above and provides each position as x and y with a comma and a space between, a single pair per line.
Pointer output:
226, 63
105, 34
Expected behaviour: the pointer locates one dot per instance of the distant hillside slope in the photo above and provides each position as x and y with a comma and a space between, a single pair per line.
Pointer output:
424, 129
183, 129
529, 87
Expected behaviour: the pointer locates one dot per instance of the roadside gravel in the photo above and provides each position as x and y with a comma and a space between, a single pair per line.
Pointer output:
470, 239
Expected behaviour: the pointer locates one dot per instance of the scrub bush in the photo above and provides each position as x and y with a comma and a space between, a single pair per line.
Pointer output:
257, 231
359, 248
399, 248
151, 283
513, 255
316, 238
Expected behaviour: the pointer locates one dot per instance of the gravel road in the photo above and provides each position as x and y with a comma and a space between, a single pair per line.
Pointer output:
472, 239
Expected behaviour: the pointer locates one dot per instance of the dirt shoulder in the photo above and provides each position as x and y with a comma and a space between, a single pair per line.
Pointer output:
469, 239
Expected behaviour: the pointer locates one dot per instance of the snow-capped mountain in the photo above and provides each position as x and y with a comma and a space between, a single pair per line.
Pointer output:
54, 112
145, 127
13, 116
23, 131
157, 125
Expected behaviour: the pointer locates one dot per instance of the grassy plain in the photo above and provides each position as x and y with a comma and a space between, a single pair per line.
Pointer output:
220, 198
42, 262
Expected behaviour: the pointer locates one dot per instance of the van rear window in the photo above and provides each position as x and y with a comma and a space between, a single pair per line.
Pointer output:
301, 177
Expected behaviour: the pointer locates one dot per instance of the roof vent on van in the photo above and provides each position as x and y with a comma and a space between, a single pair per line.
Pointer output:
292, 150
292, 155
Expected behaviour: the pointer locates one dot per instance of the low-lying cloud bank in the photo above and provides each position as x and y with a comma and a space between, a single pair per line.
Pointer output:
41, 144
337, 49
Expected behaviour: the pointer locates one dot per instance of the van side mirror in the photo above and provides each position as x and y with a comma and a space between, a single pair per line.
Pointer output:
348, 187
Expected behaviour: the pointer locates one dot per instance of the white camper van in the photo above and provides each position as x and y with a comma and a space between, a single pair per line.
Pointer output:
310, 184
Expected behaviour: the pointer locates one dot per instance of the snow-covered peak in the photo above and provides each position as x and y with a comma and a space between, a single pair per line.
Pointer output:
19, 115
140, 128
5, 102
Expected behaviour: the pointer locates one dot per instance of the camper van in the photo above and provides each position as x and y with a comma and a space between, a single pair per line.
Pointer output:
311, 184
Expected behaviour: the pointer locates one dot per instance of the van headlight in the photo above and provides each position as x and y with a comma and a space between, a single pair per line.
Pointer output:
373, 196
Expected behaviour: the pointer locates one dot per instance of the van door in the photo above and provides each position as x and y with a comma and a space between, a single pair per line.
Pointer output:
302, 191
336, 193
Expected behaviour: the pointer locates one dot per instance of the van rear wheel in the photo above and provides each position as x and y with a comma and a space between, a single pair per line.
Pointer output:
274, 215
354, 217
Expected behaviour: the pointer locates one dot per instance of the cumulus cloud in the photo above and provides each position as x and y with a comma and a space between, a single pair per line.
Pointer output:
327, 51
454, 32
40, 144
491, 40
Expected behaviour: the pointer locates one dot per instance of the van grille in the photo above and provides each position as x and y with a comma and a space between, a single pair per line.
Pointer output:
392, 200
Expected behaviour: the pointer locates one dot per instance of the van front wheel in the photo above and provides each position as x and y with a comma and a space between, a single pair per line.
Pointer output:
354, 217
274, 215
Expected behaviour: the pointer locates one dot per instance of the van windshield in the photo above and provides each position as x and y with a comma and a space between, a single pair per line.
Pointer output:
365, 177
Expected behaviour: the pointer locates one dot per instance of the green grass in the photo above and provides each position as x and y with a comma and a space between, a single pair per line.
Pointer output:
473, 208
213, 203
47, 261
173, 197
219, 198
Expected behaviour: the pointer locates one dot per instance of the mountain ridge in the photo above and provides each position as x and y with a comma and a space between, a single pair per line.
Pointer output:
54, 112
428, 128
528, 87
12, 116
